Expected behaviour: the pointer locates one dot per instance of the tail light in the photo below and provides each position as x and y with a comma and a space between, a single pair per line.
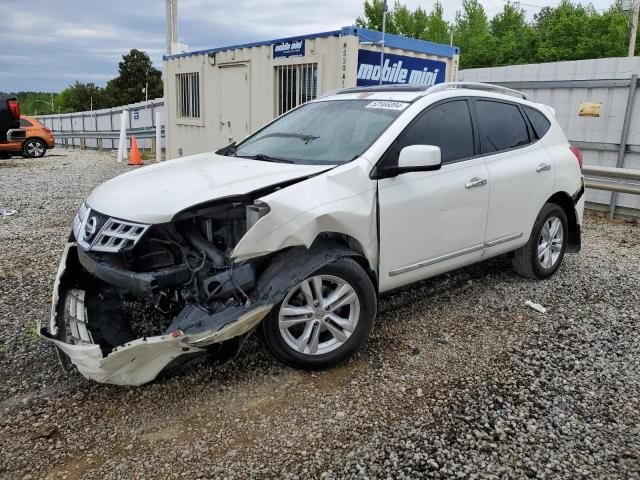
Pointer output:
46, 129
14, 106
576, 151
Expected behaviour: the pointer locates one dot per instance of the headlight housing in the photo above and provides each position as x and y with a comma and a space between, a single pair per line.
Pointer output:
99, 233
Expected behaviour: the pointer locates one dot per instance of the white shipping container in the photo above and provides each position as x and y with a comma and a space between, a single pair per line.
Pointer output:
218, 96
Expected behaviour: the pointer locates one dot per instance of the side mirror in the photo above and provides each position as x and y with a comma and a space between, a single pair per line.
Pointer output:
414, 158
419, 158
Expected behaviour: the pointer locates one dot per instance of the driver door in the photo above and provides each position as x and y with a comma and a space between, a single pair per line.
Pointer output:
432, 222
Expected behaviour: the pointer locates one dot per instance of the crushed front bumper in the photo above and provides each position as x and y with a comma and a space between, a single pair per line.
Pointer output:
141, 360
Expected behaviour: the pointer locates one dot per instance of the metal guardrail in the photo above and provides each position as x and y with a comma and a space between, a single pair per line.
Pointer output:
138, 132
104, 139
621, 180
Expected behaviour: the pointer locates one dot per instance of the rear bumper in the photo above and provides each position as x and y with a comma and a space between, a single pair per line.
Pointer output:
136, 362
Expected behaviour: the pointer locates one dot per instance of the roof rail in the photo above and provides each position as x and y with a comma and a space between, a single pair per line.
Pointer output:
376, 88
426, 90
475, 86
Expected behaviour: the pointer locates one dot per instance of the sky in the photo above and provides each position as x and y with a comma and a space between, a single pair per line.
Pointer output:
49, 44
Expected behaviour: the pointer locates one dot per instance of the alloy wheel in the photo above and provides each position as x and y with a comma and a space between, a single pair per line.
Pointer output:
319, 315
550, 242
34, 149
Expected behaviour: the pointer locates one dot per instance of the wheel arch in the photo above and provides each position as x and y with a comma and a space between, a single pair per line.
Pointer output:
35, 137
565, 201
369, 265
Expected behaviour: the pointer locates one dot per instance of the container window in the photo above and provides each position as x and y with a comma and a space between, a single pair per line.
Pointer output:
295, 85
188, 95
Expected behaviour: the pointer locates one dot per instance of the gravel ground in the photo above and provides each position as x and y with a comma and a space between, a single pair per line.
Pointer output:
459, 380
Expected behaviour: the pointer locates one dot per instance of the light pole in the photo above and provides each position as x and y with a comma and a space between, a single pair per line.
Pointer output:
634, 28
384, 26
46, 103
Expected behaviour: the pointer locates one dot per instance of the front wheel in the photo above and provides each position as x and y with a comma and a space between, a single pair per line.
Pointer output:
542, 255
34, 148
324, 319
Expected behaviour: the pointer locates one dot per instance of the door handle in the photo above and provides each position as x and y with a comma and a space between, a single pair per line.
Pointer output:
476, 182
543, 167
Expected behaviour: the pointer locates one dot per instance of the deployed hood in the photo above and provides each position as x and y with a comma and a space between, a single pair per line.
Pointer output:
155, 194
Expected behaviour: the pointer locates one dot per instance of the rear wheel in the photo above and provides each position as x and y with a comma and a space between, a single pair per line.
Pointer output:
34, 148
324, 319
542, 255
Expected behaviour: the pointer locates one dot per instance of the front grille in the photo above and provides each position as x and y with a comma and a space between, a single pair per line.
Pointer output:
99, 233
118, 236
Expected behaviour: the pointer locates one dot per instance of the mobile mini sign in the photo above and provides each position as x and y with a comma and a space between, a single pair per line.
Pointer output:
293, 48
398, 69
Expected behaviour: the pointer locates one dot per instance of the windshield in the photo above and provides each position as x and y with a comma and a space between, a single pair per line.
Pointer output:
331, 132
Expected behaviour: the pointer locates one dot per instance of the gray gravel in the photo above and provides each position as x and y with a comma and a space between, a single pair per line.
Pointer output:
460, 379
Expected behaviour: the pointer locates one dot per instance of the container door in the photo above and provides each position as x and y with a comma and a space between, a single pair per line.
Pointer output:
235, 102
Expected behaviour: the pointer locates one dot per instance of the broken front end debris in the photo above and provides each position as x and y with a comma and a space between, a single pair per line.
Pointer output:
131, 299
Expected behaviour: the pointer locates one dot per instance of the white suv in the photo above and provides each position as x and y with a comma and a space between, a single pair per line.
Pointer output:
299, 228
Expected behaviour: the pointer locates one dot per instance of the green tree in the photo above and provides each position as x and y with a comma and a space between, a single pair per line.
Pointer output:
569, 31
135, 71
373, 17
514, 41
560, 30
80, 97
408, 23
438, 29
471, 33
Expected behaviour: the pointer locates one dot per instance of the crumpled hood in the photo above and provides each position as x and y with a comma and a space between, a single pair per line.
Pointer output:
156, 193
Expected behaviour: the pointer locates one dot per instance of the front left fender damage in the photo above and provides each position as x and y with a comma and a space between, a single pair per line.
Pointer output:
79, 329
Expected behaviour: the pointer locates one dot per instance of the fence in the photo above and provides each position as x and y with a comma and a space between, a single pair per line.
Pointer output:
610, 138
101, 128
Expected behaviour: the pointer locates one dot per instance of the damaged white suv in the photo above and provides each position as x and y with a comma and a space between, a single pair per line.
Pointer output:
297, 229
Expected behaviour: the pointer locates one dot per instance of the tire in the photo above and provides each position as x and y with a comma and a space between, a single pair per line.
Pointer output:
34, 148
542, 255
328, 332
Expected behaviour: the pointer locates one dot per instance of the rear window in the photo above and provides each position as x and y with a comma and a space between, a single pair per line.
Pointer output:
539, 122
502, 126
25, 123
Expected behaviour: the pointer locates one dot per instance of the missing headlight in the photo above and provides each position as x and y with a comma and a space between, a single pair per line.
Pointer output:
255, 212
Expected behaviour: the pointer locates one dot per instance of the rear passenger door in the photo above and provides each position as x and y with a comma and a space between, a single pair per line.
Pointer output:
520, 173
432, 222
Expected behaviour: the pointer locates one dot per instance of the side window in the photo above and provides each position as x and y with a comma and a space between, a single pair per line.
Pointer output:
501, 126
539, 122
25, 123
447, 126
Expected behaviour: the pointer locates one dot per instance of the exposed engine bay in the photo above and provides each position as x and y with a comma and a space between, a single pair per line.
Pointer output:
173, 266
157, 295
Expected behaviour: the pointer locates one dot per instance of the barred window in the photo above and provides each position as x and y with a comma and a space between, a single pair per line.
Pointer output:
295, 85
188, 95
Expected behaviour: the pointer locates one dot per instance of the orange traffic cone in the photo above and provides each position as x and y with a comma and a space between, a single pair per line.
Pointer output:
134, 157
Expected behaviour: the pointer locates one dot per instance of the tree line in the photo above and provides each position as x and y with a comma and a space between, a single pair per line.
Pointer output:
569, 31
135, 74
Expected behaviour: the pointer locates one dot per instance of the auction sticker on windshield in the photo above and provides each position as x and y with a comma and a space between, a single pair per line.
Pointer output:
387, 105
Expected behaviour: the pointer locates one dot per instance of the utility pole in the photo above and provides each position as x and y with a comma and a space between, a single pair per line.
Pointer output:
171, 14
384, 26
634, 28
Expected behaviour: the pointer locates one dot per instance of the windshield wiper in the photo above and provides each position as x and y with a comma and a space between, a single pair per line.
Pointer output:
265, 158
